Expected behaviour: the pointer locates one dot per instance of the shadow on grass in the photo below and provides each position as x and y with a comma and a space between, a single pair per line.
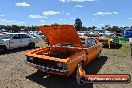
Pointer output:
94, 67
17, 50
54, 81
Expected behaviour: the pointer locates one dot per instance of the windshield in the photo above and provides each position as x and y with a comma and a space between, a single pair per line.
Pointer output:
65, 45
7, 36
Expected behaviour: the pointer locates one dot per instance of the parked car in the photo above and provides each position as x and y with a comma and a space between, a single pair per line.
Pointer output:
107, 39
16, 40
128, 33
65, 52
1, 34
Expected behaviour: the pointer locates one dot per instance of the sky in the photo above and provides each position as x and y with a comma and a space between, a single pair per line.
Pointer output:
42, 12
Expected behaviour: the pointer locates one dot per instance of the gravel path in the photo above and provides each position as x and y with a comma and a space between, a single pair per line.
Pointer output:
14, 73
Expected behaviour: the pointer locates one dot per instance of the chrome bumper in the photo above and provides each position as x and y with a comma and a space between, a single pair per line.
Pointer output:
47, 69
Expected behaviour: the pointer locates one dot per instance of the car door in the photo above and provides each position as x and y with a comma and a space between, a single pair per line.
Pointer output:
15, 41
91, 49
26, 39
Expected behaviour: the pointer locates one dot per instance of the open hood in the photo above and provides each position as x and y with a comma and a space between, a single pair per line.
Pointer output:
61, 34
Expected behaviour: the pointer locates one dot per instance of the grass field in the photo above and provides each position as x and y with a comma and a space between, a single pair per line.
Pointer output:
123, 51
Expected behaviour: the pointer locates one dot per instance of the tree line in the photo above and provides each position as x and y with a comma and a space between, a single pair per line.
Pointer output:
16, 28
78, 26
117, 29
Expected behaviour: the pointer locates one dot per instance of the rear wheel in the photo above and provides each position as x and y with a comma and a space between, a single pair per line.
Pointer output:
2, 48
31, 44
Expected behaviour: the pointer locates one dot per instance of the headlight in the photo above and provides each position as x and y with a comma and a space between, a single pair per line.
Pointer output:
59, 64
66, 66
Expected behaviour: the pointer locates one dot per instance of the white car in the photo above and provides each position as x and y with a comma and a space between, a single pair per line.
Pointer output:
16, 40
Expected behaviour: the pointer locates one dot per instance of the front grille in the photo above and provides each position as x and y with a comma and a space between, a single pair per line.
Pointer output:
44, 62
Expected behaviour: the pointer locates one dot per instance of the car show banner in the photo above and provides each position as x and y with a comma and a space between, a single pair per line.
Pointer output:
82, 78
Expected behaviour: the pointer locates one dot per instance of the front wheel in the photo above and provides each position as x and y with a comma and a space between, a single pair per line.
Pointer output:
75, 71
31, 45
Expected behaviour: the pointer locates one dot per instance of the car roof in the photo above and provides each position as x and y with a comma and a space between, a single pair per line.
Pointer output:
86, 37
16, 33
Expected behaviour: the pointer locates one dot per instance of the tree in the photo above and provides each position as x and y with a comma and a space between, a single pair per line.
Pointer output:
84, 29
115, 29
93, 27
78, 24
89, 28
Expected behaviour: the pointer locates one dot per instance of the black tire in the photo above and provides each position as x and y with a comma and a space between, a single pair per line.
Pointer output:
116, 45
31, 44
41, 73
2, 48
73, 75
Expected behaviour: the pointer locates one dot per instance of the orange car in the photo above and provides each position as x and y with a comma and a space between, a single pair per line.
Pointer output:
66, 51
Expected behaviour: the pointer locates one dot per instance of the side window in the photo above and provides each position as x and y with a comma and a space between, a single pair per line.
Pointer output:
16, 36
25, 36
91, 42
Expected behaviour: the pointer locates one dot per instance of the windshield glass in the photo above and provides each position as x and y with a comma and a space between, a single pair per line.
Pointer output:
65, 45
7, 36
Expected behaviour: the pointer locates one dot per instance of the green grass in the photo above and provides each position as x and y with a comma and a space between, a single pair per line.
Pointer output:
124, 51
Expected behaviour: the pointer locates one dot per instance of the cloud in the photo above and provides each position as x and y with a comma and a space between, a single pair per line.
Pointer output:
72, 18
2, 20
106, 13
77, 0
23, 4
2, 15
43, 21
101, 24
9, 21
60, 19
68, 13
93, 19
130, 18
21, 22
115, 13
47, 13
35, 16
6, 20
78, 6
62, 1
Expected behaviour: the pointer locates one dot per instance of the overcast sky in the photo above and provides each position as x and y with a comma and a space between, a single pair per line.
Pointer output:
91, 12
